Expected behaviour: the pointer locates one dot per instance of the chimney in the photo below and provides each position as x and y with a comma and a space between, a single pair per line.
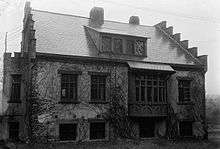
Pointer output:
134, 20
96, 16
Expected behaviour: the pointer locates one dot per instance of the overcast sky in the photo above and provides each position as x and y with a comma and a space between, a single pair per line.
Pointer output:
197, 20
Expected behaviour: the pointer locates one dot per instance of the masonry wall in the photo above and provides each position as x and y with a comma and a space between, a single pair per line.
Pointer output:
48, 113
195, 110
14, 111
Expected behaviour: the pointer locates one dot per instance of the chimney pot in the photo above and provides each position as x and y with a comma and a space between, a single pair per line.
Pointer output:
96, 16
134, 20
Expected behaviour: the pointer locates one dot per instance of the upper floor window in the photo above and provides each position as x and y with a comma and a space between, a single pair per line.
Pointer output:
184, 90
139, 47
69, 87
150, 88
106, 43
98, 87
15, 88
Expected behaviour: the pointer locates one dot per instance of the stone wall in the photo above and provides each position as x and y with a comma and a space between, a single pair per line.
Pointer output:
47, 112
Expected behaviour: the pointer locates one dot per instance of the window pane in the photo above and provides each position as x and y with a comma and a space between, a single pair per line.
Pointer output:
98, 87
184, 90
149, 94
143, 93
68, 87
97, 130
16, 87
68, 131
118, 45
155, 94
13, 130
139, 47
130, 46
106, 43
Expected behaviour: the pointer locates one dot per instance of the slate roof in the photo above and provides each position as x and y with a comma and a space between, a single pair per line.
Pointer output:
67, 35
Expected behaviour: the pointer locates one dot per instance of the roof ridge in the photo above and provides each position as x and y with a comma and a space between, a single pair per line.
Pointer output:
71, 15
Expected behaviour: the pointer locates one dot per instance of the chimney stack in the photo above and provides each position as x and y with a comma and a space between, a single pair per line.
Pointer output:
134, 20
96, 16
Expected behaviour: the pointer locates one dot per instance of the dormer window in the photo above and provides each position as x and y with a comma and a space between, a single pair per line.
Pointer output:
118, 45
124, 44
106, 43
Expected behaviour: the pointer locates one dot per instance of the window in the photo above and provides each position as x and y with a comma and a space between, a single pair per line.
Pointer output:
185, 128
97, 130
106, 43
184, 90
146, 128
98, 84
139, 47
68, 131
118, 48
15, 88
130, 46
69, 87
150, 88
13, 130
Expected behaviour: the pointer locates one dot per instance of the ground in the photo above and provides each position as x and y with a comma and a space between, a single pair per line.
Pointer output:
144, 144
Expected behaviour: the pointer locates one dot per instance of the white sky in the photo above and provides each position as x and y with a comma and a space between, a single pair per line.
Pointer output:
197, 20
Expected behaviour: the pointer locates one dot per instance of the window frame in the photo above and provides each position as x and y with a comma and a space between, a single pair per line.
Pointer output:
180, 87
17, 131
147, 81
102, 43
191, 129
76, 75
13, 86
103, 76
105, 130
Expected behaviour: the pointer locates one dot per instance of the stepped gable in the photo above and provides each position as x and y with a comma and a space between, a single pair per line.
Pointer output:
193, 51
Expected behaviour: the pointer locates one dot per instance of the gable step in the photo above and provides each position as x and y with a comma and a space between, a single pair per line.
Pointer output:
193, 51
177, 36
185, 44
169, 30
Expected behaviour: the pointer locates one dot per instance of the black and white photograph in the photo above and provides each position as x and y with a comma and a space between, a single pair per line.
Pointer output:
109, 74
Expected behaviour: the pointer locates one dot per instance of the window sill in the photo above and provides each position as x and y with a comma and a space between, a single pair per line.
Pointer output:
69, 102
98, 102
14, 101
186, 103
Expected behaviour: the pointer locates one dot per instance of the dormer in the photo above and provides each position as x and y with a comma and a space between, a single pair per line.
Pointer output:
113, 40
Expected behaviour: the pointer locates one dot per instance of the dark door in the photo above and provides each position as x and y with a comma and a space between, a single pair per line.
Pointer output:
146, 128
13, 130
68, 131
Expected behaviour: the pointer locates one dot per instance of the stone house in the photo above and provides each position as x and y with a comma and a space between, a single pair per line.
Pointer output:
59, 86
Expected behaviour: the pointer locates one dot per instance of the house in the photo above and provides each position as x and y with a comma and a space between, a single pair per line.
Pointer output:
60, 86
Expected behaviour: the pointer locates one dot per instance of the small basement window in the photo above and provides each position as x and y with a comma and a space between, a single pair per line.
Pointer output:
185, 128
68, 131
97, 130
13, 130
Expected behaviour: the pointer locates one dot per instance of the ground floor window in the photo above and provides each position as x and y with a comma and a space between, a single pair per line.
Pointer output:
13, 129
97, 130
68, 131
146, 128
185, 128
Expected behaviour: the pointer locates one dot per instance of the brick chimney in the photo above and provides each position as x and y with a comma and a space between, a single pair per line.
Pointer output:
134, 20
96, 16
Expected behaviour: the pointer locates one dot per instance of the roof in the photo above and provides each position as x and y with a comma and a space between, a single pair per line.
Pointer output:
67, 35
149, 66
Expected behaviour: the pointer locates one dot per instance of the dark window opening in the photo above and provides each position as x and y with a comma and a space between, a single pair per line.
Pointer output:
118, 45
68, 87
184, 90
98, 85
13, 130
150, 88
67, 131
15, 88
185, 128
146, 128
106, 43
97, 130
